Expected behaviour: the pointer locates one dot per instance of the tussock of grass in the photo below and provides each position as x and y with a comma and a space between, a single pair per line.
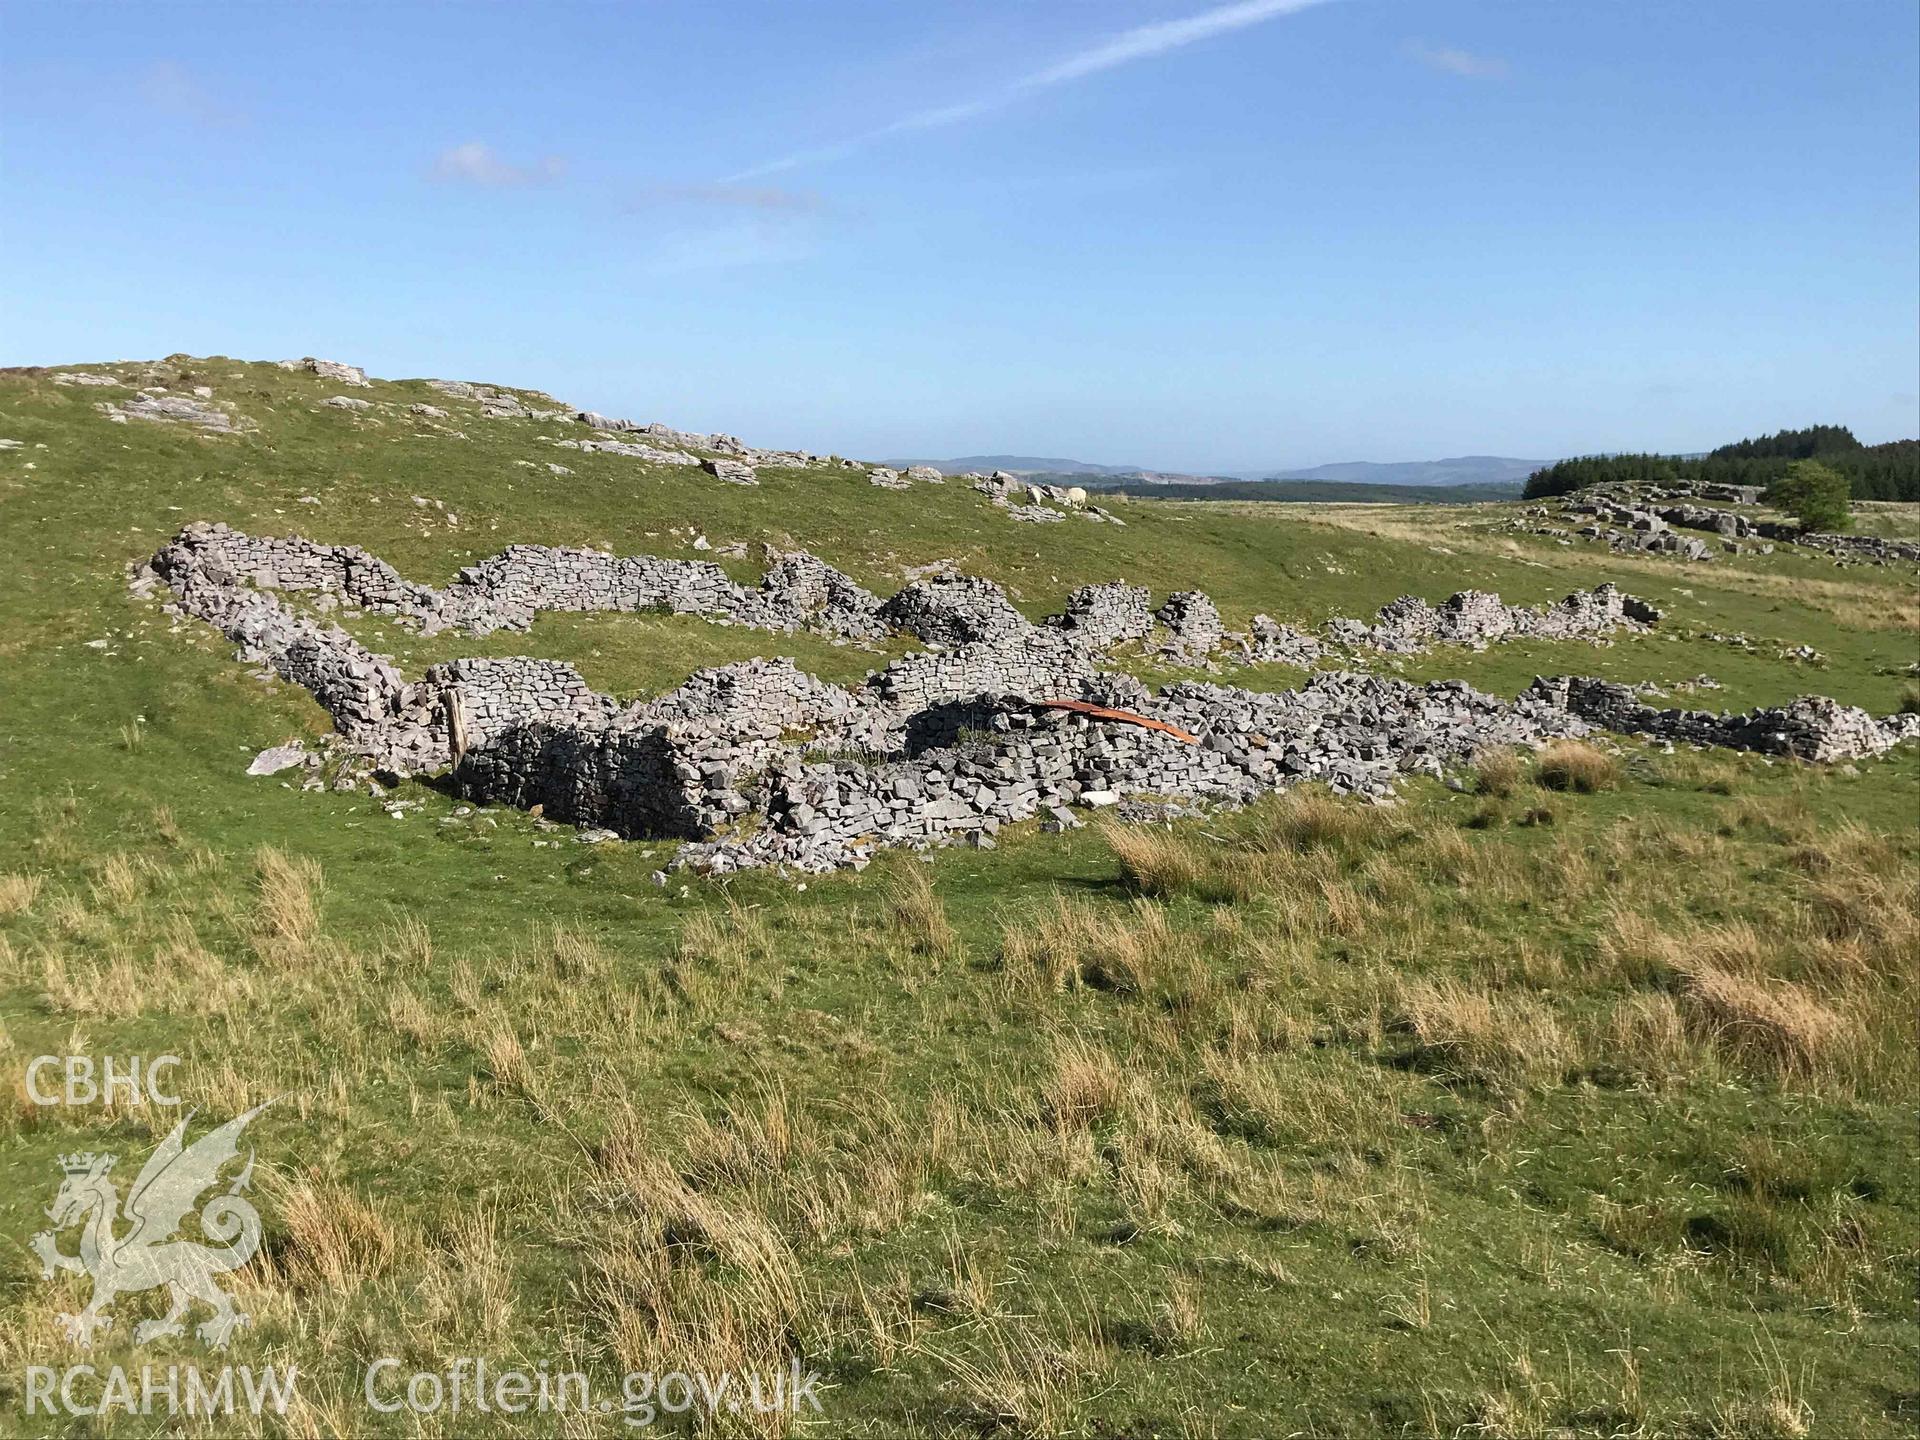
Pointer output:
1308, 818
1166, 864
1084, 1089
1575, 766
1135, 951
1775, 1025
334, 1239
686, 1278
1016, 1384
1297, 1102
1497, 772
287, 910
1646, 1037
18, 893
1491, 1040
914, 912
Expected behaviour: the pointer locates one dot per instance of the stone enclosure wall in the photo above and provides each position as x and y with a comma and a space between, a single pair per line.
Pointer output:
763, 764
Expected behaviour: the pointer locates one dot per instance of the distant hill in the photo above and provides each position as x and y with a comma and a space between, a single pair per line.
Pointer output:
1324, 492
1461, 470
1022, 465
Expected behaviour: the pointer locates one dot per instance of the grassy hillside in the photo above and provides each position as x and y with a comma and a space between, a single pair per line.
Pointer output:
1576, 1100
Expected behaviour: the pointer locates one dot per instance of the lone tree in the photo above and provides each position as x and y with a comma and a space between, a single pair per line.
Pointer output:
1814, 494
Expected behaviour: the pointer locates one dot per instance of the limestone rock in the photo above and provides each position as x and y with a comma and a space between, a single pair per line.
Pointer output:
734, 472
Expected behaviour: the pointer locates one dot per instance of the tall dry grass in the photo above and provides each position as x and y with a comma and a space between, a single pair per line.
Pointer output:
1575, 766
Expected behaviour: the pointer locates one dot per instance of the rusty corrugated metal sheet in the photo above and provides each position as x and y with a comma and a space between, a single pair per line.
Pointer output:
1125, 717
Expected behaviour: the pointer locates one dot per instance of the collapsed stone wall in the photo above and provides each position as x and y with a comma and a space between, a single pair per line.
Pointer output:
1812, 727
1037, 663
1103, 616
506, 591
1477, 618
1354, 733
953, 610
949, 742
1193, 626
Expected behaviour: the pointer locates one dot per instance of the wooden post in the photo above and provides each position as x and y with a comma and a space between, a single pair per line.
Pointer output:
456, 727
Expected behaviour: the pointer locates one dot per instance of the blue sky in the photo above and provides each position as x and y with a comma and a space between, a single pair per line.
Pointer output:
1195, 237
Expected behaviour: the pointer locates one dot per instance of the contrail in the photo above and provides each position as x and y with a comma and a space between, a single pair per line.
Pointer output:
1140, 43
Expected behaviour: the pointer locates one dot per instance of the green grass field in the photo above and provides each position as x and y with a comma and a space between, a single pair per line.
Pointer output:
1578, 1101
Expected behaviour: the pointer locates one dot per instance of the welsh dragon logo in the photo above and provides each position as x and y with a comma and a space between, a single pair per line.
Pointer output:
148, 1255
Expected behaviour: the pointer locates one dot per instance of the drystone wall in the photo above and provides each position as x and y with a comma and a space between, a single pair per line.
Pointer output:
948, 743
506, 591
1813, 727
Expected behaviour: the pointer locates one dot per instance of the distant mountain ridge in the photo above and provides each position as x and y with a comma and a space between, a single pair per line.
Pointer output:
1461, 470
1022, 465
1314, 492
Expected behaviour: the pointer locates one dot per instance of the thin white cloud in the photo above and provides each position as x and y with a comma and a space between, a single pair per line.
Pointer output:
1452, 60
476, 163
1140, 43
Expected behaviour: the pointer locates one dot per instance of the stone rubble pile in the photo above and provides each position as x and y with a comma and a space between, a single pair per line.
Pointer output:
1268, 642
1353, 733
1477, 618
1870, 549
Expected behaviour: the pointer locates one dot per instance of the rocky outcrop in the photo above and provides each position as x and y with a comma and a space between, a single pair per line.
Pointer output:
650, 453
164, 408
328, 370
734, 472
